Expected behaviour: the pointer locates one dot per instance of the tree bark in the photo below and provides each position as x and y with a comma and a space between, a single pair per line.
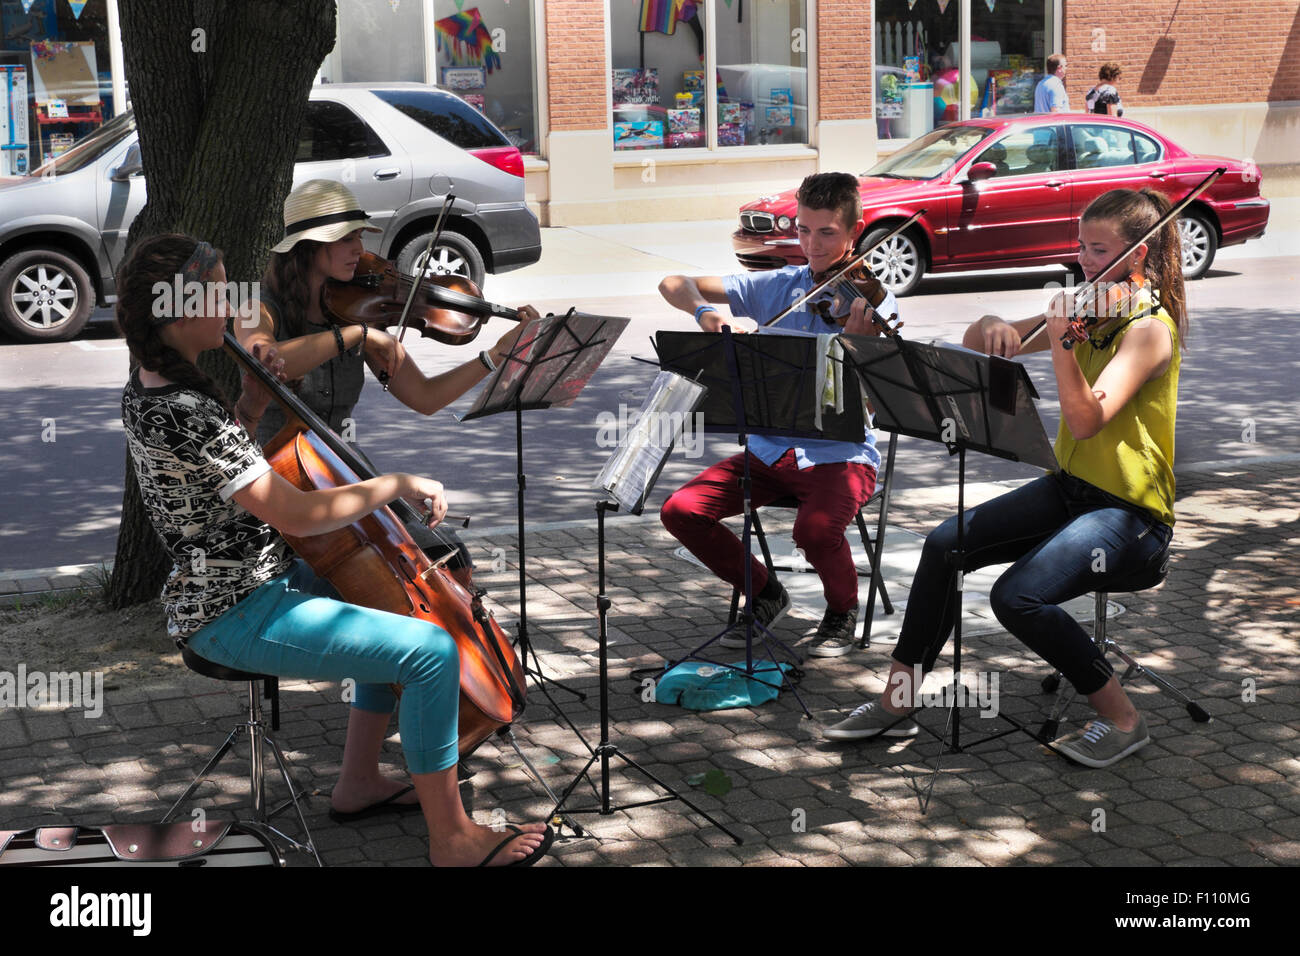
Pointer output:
219, 89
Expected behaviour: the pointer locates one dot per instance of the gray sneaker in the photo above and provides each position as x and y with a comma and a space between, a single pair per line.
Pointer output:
767, 611
870, 720
836, 634
1101, 743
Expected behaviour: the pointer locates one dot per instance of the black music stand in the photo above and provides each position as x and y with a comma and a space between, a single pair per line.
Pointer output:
629, 476
964, 400
546, 368
766, 385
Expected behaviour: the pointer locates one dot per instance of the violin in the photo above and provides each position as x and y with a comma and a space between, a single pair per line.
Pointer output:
846, 286
448, 308
375, 563
853, 264
1086, 294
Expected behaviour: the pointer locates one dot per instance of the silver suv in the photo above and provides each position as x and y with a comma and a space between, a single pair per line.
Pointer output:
400, 147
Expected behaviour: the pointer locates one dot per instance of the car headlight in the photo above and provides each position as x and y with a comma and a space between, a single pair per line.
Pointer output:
784, 223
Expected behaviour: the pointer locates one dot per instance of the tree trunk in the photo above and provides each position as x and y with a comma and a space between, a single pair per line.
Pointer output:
219, 89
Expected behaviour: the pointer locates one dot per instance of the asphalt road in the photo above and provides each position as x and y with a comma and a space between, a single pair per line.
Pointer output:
60, 499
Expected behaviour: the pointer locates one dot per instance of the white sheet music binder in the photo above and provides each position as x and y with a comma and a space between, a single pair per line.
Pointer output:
631, 471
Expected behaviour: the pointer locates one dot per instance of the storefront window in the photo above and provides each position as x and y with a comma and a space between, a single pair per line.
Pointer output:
917, 53
1007, 55
660, 97
918, 57
762, 72
55, 84
481, 51
380, 41
485, 56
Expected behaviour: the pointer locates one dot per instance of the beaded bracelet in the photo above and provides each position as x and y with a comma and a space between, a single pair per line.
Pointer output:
338, 337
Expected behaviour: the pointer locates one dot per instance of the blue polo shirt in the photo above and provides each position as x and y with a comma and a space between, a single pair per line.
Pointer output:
1049, 94
761, 295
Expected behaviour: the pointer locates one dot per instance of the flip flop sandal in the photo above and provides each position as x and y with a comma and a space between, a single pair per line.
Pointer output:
547, 839
387, 805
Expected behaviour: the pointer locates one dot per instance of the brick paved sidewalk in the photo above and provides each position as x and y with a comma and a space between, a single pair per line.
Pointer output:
1223, 627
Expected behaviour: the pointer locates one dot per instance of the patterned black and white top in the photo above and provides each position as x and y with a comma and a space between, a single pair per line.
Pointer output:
1100, 97
190, 459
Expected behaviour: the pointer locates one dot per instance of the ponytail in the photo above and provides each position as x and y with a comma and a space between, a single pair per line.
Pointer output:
158, 259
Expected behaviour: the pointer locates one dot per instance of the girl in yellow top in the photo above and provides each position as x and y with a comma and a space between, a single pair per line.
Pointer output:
1105, 515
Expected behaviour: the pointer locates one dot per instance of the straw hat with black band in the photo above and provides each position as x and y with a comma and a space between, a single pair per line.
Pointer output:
323, 211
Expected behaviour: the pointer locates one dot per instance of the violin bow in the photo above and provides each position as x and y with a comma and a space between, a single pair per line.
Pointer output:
384, 377
843, 271
1089, 289
428, 251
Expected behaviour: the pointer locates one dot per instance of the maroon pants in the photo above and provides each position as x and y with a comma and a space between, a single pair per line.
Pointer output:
829, 496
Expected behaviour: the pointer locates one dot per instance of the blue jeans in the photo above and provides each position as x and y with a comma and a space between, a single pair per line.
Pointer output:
1067, 538
295, 626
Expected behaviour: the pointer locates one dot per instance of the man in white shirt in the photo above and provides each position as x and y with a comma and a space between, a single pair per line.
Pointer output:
1050, 95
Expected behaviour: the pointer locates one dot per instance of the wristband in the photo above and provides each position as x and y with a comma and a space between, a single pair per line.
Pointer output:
702, 309
338, 337
486, 358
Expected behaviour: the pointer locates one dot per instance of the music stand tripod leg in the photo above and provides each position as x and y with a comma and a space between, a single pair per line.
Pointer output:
525, 645
605, 749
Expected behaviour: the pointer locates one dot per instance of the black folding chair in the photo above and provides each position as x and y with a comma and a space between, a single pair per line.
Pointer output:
873, 547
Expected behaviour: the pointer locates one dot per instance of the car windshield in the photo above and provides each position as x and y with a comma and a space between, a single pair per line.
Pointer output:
931, 155
90, 148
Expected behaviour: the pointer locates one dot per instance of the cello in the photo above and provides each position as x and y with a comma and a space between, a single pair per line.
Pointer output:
374, 563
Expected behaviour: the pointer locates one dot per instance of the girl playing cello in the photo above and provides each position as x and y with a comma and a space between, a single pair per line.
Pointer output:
236, 595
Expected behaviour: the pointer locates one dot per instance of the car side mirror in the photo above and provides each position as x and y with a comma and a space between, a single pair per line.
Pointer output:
131, 166
981, 171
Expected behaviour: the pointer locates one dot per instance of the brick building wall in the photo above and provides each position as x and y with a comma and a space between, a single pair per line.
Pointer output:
1184, 52
575, 64
844, 57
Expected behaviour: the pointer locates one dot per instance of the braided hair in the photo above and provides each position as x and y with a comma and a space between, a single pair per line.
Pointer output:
158, 259
1133, 213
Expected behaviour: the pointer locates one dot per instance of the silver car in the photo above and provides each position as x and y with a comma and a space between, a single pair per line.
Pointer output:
400, 147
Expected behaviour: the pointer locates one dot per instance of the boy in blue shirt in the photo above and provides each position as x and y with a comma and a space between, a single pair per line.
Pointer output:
832, 480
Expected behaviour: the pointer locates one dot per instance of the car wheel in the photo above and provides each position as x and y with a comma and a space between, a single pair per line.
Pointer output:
899, 263
45, 296
453, 254
1199, 244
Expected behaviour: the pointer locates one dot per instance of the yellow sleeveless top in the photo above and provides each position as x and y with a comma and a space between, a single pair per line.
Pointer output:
1132, 457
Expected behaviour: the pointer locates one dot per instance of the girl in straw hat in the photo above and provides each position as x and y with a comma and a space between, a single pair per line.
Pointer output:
249, 604
323, 223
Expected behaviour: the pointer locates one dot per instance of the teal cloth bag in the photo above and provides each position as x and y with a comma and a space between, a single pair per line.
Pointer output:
696, 685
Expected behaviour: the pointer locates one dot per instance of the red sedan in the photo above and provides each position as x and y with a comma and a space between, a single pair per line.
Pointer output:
1005, 192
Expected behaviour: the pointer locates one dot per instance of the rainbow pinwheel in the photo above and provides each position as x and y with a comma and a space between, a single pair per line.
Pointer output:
467, 40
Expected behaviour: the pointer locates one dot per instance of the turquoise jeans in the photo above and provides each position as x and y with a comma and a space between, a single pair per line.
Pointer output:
295, 626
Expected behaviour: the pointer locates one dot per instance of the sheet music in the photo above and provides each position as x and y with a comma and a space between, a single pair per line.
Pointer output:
631, 470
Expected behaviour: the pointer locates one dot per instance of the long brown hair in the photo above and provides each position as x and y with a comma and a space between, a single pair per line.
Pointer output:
158, 259
286, 279
1133, 213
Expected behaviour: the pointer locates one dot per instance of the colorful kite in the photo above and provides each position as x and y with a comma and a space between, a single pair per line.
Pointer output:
467, 39
662, 16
